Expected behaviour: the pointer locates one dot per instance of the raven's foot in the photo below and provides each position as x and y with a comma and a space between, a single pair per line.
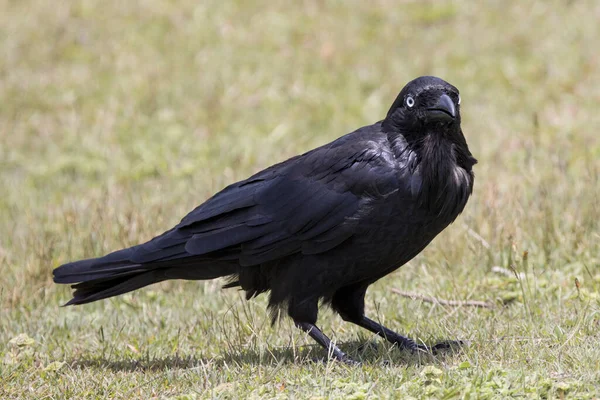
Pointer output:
350, 361
449, 345
441, 346
327, 344
404, 342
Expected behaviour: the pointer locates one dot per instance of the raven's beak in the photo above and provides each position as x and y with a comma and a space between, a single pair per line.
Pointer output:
443, 110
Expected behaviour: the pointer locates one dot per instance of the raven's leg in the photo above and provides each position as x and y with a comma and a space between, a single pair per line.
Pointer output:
403, 341
349, 302
324, 341
389, 335
304, 313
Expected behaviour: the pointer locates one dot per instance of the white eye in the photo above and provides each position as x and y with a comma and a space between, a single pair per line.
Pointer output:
459, 99
410, 102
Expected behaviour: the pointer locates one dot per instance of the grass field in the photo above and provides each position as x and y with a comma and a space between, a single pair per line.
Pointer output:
117, 118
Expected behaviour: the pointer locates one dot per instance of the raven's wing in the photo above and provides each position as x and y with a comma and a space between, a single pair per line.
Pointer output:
308, 204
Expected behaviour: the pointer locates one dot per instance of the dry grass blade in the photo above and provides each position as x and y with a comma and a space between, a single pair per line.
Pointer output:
451, 303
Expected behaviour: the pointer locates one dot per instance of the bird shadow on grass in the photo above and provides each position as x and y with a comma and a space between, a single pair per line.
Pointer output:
365, 352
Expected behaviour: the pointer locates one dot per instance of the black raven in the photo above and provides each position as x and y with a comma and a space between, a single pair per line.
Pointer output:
321, 226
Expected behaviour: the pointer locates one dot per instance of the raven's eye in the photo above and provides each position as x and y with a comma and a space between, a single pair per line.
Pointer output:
410, 102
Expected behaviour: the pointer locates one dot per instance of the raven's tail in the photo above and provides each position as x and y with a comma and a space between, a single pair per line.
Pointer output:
116, 273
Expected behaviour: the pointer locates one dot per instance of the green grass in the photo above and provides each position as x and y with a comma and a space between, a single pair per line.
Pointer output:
117, 118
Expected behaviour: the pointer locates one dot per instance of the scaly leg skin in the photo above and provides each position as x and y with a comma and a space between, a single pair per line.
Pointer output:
403, 341
324, 341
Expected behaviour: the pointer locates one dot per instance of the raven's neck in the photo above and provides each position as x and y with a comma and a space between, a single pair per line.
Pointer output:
441, 171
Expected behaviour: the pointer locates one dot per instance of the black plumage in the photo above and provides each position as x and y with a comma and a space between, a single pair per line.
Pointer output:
321, 226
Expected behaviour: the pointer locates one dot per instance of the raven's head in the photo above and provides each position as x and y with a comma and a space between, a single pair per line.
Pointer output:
426, 114
425, 105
